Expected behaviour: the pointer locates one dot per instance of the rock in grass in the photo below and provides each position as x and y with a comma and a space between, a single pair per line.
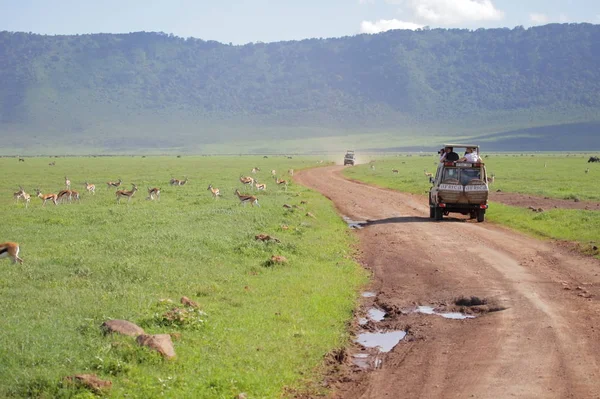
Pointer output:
91, 381
122, 327
159, 342
278, 259
188, 302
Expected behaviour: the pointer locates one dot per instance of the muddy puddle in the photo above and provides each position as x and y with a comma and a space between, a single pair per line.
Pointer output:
448, 315
384, 341
368, 294
354, 224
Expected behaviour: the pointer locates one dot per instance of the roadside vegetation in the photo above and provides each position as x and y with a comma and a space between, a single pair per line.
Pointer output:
262, 328
558, 176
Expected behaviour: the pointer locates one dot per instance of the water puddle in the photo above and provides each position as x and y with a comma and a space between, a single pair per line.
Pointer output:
376, 314
368, 294
354, 224
447, 315
385, 341
361, 360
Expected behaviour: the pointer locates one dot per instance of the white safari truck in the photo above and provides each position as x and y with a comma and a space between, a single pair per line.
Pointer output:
459, 187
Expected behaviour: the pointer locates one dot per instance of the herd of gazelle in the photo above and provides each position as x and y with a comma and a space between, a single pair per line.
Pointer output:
11, 249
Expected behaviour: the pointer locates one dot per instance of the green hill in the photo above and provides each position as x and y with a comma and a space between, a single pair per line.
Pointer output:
157, 92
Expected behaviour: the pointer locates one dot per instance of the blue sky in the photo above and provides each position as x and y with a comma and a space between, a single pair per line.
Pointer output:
239, 21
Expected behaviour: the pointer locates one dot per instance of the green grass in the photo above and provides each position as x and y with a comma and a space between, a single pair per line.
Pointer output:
266, 329
548, 175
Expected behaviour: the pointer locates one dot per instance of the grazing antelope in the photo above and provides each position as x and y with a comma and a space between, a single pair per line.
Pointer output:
62, 195
260, 186
372, 167
587, 171
52, 163
114, 184
247, 181
21, 159
91, 188
123, 193
67, 183
74, 195
46, 197
244, 199
214, 191
291, 172
255, 170
153, 193
10, 250
427, 174
395, 171
280, 182
491, 179
177, 182
273, 172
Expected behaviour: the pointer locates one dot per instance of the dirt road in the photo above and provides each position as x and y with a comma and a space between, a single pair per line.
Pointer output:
544, 344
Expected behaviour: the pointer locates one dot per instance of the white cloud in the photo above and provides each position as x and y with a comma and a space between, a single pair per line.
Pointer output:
450, 12
538, 19
386, 24
366, 1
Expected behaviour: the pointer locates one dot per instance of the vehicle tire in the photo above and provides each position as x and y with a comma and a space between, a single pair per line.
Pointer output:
438, 213
431, 212
481, 215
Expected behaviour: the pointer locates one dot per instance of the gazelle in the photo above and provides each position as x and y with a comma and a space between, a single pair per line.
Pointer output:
91, 188
427, 174
67, 183
177, 182
394, 171
153, 193
247, 181
10, 250
291, 172
114, 184
255, 170
280, 182
46, 197
260, 186
123, 193
491, 179
244, 199
62, 195
273, 172
22, 194
214, 191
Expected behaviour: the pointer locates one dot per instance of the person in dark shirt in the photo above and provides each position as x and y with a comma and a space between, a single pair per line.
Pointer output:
450, 155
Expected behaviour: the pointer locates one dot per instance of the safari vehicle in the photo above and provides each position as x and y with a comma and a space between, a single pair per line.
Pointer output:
349, 158
459, 187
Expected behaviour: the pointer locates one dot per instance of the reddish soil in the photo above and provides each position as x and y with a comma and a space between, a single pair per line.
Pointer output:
526, 201
545, 344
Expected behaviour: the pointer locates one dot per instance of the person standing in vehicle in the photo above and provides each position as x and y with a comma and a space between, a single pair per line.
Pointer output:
450, 155
470, 156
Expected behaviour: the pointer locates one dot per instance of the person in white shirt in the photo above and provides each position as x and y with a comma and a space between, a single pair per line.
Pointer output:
470, 156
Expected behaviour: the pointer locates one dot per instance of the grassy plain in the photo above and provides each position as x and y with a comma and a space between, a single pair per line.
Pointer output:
549, 175
262, 330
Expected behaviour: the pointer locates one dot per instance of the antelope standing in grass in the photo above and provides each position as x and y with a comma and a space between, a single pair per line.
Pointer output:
247, 181
22, 194
67, 183
491, 179
62, 195
214, 191
255, 170
46, 197
291, 172
260, 186
427, 174
91, 188
395, 171
114, 184
244, 199
177, 182
273, 172
153, 193
123, 193
281, 182
10, 250
587, 171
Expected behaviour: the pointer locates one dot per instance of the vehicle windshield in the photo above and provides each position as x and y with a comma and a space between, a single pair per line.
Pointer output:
464, 176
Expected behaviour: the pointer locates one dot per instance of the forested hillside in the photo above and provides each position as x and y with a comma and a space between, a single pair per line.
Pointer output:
151, 90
